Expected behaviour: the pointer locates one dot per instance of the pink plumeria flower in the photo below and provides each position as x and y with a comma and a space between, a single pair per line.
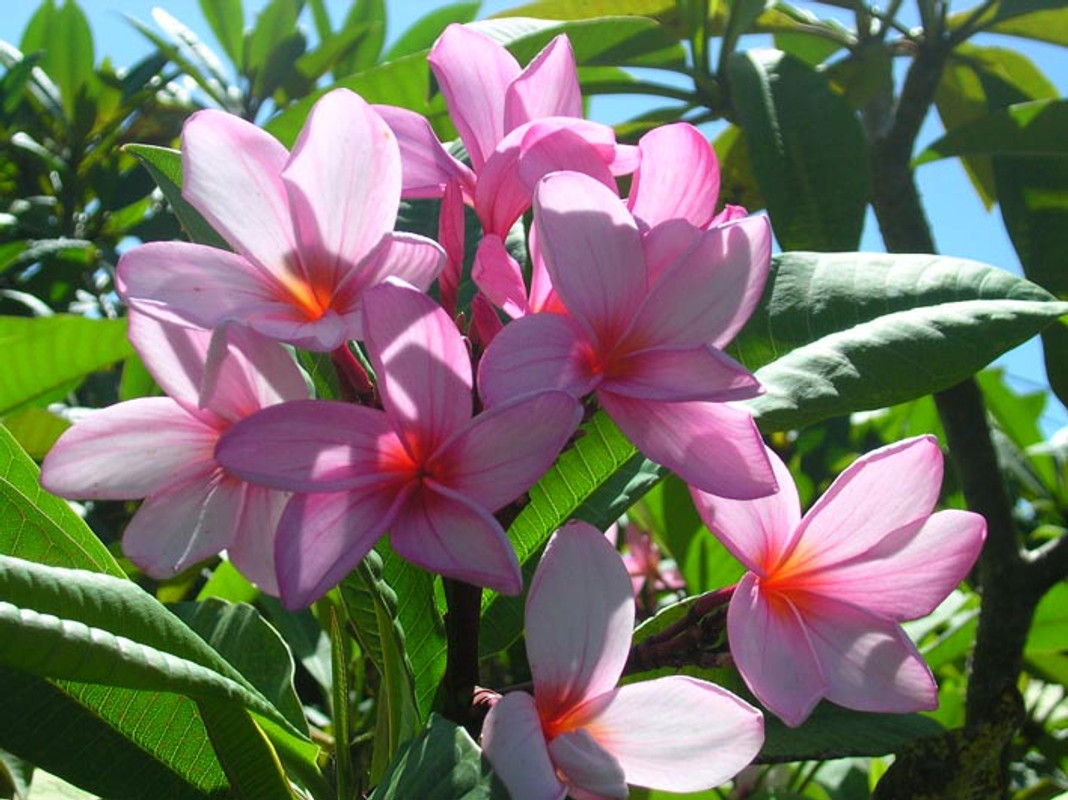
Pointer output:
645, 564
517, 124
311, 230
817, 614
579, 734
646, 318
163, 449
424, 469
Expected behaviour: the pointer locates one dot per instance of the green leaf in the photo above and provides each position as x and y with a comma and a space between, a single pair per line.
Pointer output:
807, 150
1049, 630
15, 776
63, 34
165, 166
836, 732
38, 526
422, 33
1033, 129
227, 21
87, 627
43, 354
589, 9
246, 755
371, 16
837, 333
149, 739
245, 639
441, 763
596, 480
36, 430
275, 26
371, 604
1043, 26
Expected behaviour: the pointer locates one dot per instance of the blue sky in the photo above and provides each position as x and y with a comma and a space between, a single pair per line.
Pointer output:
962, 227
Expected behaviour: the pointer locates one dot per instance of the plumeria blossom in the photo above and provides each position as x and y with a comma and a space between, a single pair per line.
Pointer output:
644, 563
517, 124
579, 734
423, 468
311, 230
162, 449
646, 318
818, 613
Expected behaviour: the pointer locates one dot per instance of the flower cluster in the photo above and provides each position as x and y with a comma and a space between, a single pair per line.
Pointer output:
628, 306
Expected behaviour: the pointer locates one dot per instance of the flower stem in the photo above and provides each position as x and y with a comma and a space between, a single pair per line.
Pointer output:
697, 638
355, 385
461, 671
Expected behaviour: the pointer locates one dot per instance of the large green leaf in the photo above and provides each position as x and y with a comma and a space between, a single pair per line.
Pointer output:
1037, 128
837, 333
62, 33
1044, 20
38, 526
83, 626
806, 147
422, 33
227, 21
165, 166
442, 763
43, 354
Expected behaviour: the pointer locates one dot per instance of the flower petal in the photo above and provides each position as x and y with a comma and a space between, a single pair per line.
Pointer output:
707, 296
771, 647
322, 537
185, 523
344, 185
869, 662
252, 547
444, 532
662, 733
310, 446
756, 532
427, 167
129, 450
678, 177
912, 570
579, 617
588, 769
537, 352
515, 747
874, 496
474, 73
667, 244
421, 362
500, 277
676, 375
173, 354
500, 454
592, 251
231, 173
715, 447
547, 87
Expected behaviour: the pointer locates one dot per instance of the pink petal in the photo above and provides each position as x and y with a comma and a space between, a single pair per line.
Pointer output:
707, 296
503, 451
231, 173
421, 363
912, 570
474, 73
173, 354
667, 244
344, 184
444, 532
515, 747
185, 283
452, 235
413, 259
579, 617
185, 523
678, 375
253, 373
878, 493
322, 537
252, 548
715, 447
427, 167
552, 145
587, 768
770, 646
537, 352
311, 446
869, 662
592, 251
678, 177
756, 532
129, 450
500, 277
676, 734
542, 295
548, 87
